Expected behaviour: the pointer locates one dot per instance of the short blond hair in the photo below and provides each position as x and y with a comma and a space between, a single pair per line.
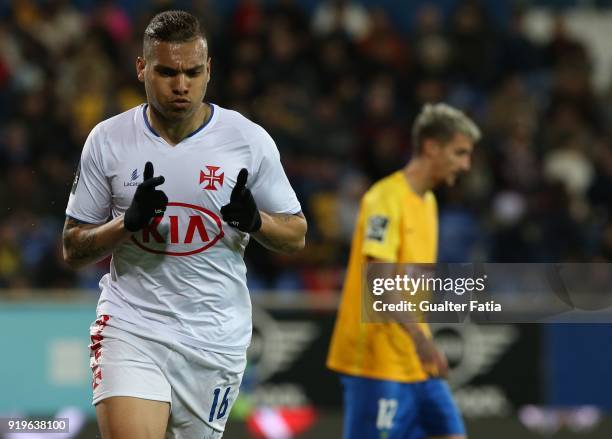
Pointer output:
441, 122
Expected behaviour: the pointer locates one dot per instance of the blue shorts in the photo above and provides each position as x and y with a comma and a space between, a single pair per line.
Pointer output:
379, 409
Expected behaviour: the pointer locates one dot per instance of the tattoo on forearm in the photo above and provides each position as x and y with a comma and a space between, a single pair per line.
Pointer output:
280, 244
285, 218
81, 244
275, 244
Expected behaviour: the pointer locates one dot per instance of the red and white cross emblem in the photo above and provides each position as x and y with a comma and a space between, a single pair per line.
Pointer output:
211, 178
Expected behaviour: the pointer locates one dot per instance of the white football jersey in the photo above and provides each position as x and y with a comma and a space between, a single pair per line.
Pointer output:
183, 276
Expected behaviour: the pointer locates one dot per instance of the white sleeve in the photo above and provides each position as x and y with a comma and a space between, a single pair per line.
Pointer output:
269, 184
90, 197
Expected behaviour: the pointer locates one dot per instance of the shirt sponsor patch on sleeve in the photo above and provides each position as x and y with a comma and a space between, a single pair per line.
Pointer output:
377, 228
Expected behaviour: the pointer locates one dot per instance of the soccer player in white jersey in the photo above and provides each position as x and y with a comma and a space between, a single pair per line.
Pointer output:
174, 316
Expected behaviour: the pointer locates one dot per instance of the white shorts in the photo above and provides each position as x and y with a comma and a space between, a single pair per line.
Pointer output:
201, 386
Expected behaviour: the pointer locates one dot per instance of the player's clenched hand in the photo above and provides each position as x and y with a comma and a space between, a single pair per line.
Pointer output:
241, 212
147, 202
433, 361
441, 364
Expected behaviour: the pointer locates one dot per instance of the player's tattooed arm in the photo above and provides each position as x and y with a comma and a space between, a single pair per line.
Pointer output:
284, 233
84, 243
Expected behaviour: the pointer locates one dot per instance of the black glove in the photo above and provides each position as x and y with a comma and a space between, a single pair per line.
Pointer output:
147, 203
241, 212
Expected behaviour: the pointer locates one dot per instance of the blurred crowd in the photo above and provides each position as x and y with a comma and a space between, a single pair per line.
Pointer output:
337, 86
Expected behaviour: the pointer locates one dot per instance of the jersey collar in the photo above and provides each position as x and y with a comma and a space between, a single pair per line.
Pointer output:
156, 134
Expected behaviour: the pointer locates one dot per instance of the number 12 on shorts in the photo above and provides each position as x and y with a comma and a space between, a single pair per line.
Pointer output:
386, 413
222, 407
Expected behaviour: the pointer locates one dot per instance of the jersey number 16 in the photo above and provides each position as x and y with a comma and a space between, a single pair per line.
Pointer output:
222, 407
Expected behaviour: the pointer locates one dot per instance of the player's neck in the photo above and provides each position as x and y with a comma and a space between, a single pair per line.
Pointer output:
174, 132
418, 176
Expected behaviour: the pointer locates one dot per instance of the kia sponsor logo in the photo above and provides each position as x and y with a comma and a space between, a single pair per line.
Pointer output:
184, 230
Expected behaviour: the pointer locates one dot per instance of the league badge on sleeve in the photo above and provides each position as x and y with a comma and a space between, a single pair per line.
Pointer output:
377, 228
75, 182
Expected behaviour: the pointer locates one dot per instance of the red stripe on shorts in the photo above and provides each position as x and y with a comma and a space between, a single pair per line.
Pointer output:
96, 349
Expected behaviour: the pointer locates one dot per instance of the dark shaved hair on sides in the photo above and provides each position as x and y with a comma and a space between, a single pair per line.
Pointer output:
172, 27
